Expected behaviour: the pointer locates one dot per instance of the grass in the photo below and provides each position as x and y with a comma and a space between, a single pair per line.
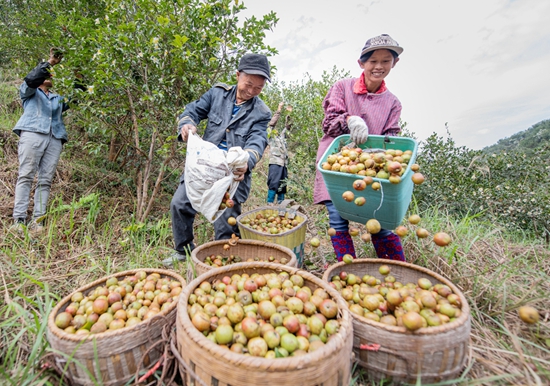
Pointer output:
91, 233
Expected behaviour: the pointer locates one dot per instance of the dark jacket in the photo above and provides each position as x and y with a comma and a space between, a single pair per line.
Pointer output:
247, 129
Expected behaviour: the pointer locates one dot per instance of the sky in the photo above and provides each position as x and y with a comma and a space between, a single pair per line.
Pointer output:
479, 69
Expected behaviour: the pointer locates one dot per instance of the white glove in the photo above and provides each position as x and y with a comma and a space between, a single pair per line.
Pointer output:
358, 129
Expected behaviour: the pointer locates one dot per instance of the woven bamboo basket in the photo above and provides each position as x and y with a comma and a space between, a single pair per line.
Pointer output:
213, 365
430, 354
245, 249
110, 358
293, 238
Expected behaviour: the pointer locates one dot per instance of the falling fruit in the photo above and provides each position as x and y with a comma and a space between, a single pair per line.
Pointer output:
401, 231
232, 221
528, 314
360, 201
315, 242
331, 232
347, 258
422, 233
366, 237
373, 226
359, 185
417, 178
442, 239
414, 219
384, 269
348, 196
353, 231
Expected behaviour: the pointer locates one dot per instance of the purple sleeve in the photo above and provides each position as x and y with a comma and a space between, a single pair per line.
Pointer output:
334, 123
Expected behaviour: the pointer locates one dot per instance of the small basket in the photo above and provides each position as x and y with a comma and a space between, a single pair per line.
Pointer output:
110, 358
245, 249
389, 204
213, 365
433, 354
294, 238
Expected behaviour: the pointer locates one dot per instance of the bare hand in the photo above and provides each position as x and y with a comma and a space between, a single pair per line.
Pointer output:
55, 56
186, 129
239, 173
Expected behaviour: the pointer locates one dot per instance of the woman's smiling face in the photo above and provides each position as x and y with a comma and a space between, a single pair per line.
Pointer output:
378, 66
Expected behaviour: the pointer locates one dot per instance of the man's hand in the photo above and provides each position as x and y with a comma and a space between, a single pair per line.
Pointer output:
239, 173
359, 132
55, 56
186, 129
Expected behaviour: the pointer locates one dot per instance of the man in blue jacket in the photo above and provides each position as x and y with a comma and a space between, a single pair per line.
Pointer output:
236, 117
41, 137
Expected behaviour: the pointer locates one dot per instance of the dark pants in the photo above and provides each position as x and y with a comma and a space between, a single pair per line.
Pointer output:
276, 178
183, 216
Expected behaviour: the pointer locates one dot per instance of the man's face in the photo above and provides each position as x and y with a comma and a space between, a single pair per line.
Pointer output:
378, 66
249, 86
48, 83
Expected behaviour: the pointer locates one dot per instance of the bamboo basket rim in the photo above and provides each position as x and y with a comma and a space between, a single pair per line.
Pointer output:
60, 334
461, 320
276, 209
260, 243
276, 364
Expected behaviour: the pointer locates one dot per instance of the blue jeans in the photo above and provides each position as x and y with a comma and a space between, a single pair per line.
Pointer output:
37, 153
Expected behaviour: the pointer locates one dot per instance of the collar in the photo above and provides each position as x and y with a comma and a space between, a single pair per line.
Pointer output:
360, 87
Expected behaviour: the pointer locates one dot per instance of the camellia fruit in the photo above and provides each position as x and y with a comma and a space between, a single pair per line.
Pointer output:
373, 226
347, 258
232, 221
359, 185
401, 231
314, 242
360, 201
412, 320
528, 314
414, 219
418, 178
422, 233
348, 196
353, 231
366, 237
442, 239
384, 269
331, 232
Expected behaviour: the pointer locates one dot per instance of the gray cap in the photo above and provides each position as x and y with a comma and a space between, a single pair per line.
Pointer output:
255, 64
381, 42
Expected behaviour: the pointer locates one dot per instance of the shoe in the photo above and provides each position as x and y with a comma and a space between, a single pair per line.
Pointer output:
36, 228
175, 256
18, 225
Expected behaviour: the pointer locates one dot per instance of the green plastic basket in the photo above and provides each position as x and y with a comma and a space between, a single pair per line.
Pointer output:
389, 204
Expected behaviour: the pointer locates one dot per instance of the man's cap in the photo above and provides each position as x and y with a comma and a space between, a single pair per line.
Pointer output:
381, 42
255, 64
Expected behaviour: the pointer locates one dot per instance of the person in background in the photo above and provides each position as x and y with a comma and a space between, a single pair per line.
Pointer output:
236, 117
359, 107
41, 134
278, 158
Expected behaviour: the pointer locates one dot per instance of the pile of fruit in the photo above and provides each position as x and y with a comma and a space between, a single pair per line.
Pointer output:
227, 202
411, 305
389, 165
271, 315
221, 260
118, 303
273, 224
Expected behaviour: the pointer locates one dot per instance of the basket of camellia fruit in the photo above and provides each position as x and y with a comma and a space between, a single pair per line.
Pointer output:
410, 324
282, 225
284, 327
110, 328
372, 181
220, 253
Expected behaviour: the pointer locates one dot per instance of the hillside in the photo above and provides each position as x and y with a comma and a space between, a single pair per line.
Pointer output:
529, 140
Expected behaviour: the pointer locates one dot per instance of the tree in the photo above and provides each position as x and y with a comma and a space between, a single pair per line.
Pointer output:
142, 61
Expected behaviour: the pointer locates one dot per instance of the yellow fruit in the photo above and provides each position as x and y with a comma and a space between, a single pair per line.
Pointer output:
232, 221
315, 242
347, 258
442, 239
373, 226
414, 219
528, 314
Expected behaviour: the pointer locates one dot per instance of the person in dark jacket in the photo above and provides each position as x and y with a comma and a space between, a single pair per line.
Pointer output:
41, 137
236, 117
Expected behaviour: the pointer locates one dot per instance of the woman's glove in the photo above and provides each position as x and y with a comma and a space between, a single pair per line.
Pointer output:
358, 129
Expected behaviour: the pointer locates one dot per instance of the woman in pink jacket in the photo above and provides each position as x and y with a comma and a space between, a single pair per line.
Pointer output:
359, 106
